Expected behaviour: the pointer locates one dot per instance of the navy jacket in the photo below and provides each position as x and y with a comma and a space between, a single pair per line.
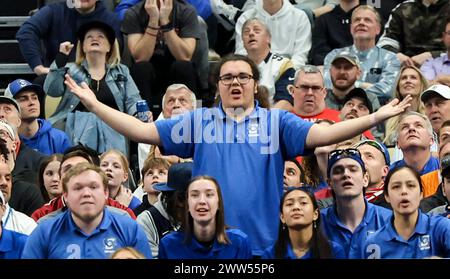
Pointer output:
54, 24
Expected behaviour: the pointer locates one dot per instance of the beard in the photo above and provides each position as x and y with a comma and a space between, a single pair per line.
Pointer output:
349, 84
87, 217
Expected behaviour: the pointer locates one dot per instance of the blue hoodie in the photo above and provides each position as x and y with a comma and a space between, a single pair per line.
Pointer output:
48, 140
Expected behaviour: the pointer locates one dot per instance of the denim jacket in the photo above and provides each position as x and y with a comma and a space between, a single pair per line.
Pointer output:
119, 81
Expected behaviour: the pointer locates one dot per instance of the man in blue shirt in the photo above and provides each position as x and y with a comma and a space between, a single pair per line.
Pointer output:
352, 218
240, 144
87, 230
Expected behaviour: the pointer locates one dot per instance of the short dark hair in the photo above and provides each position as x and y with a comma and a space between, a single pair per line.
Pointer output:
4, 149
82, 151
236, 57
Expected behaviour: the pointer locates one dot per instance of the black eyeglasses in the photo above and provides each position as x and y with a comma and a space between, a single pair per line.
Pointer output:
305, 88
242, 78
339, 152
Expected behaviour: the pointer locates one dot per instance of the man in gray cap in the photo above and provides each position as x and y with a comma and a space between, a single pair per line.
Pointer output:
344, 72
437, 104
379, 67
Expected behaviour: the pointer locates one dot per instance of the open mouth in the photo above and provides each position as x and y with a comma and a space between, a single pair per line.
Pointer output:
95, 44
404, 203
435, 118
347, 184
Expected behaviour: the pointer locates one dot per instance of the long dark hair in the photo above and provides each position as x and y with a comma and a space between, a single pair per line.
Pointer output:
220, 233
319, 246
43, 165
397, 169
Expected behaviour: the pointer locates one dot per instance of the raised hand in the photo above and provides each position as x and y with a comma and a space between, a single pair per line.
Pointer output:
65, 47
165, 8
83, 92
393, 108
151, 7
124, 196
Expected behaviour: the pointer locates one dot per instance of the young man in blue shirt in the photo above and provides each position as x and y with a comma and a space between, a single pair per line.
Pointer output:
351, 218
87, 230
238, 143
35, 132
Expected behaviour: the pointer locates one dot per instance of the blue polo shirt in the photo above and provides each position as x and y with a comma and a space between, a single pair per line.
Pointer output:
173, 246
374, 218
336, 249
430, 238
246, 157
60, 238
12, 244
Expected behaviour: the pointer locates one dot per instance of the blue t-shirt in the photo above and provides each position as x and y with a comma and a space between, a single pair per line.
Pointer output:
12, 244
374, 218
246, 157
336, 249
60, 238
430, 238
173, 246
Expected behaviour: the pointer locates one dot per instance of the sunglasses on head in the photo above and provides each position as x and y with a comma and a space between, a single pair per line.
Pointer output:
340, 152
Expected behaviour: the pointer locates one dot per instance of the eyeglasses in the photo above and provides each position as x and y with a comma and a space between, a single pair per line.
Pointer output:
242, 79
378, 146
4, 135
343, 152
305, 88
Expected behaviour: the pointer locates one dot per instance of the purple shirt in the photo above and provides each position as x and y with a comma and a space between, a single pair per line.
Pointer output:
437, 66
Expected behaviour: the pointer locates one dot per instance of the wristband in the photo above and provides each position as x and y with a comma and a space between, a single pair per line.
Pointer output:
153, 28
167, 30
153, 35
167, 27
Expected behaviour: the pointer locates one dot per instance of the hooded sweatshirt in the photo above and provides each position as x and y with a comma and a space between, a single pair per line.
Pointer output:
289, 27
48, 140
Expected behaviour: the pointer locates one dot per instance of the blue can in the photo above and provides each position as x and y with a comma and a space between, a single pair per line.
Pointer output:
142, 110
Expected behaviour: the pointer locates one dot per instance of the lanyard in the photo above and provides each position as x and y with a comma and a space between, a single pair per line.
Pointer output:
7, 216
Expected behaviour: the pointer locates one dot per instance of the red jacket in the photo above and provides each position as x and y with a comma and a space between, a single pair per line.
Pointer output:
58, 203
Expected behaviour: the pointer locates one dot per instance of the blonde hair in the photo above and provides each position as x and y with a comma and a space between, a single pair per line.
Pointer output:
135, 253
392, 123
122, 157
112, 57
81, 168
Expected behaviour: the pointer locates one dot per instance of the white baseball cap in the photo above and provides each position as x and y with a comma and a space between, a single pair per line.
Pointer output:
439, 89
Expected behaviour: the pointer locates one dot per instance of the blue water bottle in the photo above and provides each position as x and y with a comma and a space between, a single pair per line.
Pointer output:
142, 110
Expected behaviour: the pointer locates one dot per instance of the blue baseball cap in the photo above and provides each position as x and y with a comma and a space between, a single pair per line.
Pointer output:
378, 145
178, 178
338, 154
20, 85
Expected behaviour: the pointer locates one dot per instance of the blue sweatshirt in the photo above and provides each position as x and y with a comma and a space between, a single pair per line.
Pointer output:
48, 140
54, 24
